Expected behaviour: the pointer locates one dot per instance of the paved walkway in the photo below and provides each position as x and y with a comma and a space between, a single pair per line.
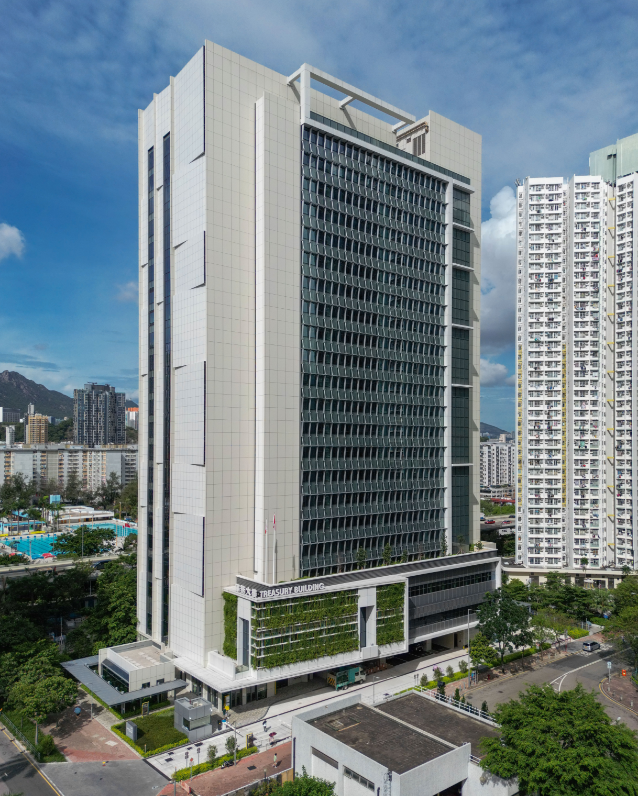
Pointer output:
83, 739
247, 771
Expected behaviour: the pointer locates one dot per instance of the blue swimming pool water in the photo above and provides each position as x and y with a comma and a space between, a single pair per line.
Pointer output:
35, 545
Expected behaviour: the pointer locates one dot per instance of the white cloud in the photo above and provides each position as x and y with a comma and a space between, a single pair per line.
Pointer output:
498, 274
494, 374
127, 291
11, 241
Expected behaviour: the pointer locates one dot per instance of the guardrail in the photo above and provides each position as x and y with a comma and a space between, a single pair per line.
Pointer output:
464, 706
20, 736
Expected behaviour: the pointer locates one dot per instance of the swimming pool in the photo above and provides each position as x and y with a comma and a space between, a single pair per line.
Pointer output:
36, 545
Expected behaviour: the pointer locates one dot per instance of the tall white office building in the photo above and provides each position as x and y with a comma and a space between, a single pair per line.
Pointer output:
309, 376
575, 400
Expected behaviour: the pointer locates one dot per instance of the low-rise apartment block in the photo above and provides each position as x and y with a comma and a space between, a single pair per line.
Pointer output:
44, 463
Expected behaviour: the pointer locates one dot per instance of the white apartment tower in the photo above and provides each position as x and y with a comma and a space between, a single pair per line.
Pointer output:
309, 353
575, 400
498, 463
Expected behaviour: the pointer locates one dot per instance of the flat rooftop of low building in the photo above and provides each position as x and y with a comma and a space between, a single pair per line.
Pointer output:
438, 719
142, 657
386, 741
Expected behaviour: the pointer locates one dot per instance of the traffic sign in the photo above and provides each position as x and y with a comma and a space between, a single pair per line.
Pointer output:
624, 672
609, 664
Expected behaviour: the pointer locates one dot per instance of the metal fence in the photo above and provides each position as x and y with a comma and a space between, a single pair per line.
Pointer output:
465, 706
20, 736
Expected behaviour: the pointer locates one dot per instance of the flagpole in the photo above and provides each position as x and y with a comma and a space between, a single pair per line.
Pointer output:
274, 546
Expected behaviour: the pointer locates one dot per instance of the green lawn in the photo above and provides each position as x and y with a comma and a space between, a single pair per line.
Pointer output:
156, 731
28, 730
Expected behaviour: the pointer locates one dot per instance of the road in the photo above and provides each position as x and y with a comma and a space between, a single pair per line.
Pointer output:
18, 774
585, 668
498, 524
117, 778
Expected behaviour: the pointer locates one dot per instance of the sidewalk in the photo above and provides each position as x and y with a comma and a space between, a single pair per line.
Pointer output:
622, 690
247, 771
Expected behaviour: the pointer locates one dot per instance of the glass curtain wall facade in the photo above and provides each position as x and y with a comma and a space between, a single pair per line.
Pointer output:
373, 391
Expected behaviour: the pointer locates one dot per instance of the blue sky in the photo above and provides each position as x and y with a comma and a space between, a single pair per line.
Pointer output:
543, 82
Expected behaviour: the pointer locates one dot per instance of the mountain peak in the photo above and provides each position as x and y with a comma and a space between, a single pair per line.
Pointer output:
16, 392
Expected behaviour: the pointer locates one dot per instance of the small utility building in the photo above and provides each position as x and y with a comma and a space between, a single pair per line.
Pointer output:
407, 746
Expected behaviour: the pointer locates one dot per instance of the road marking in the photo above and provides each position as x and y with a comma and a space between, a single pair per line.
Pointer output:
32, 764
562, 677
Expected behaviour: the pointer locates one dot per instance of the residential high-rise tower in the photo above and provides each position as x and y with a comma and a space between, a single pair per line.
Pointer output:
98, 416
575, 402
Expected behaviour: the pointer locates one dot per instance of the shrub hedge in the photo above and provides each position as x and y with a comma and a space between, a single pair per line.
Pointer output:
184, 773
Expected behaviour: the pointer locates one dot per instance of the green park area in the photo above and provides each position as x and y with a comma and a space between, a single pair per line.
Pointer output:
155, 733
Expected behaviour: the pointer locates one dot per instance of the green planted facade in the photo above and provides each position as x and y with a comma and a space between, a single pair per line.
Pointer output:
390, 611
230, 625
303, 628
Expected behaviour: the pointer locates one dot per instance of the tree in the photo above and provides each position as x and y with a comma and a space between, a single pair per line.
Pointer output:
231, 744
303, 785
212, 754
61, 431
626, 594
517, 590
424, 680
622, 631
482, 652
626, 570
449, 672
16, 494
583, 562
84, 541
542, 631
72, 487
509, 547
562, 744
463, 666
387, 554
114, 618
362, 557
602, 601
48, 695
110, 490
503, 622
129, 498
443, 541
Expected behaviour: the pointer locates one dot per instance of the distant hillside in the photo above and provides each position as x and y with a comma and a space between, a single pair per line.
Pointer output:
17, 392
492, 431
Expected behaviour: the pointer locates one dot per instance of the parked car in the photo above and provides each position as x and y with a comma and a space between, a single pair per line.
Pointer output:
490, 522
507, 522
591, 646
513, 516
